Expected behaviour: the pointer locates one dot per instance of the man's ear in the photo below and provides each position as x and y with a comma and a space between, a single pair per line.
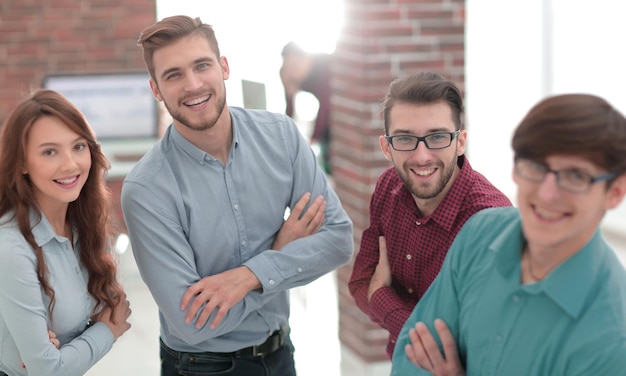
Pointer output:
385, 147
225, 67
155, 91
462, 139
616, 192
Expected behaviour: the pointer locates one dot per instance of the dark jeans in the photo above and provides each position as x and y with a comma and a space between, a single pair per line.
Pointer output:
278, 363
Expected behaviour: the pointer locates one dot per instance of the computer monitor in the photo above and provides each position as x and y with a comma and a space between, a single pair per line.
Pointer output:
254, 96
117, 106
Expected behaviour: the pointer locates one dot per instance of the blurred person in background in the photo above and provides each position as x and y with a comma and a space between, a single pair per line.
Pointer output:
303, 71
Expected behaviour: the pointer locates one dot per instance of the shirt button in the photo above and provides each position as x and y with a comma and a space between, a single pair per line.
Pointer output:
418, 223
272, 282
236, 206
299, 270
408, 257
410, 291
243, 242
515, 299
498, 338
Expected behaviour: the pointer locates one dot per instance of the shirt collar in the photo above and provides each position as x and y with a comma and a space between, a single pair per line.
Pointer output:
42, 229
568, 285
194, 152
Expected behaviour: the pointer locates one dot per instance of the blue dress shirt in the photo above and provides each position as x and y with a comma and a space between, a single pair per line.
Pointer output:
189, 216
24, 319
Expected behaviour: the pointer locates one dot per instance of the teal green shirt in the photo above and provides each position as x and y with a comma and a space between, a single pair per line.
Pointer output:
573, 322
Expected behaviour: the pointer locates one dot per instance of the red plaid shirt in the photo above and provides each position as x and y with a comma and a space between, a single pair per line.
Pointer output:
416, 245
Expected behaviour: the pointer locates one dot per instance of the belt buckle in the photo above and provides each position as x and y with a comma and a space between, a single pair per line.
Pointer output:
256, 351
273, 343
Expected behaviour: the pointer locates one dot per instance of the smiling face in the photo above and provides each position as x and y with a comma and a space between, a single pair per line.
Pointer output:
427, 174
558, 221
57, 162
190, 82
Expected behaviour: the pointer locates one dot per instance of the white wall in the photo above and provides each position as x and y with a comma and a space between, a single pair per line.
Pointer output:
519, 52
252, 34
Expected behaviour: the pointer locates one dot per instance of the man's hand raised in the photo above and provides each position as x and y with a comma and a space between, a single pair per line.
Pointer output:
424, 352
300, 224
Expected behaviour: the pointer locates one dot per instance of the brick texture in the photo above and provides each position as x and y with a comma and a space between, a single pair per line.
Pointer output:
381, 40
44, 37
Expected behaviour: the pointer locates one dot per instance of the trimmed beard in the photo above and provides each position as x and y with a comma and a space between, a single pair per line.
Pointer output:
177, 115
421, 192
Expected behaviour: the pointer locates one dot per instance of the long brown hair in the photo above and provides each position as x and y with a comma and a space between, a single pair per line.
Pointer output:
90, 214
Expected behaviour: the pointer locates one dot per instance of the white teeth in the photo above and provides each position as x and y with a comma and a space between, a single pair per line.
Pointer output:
424, 173
67, 181
196, 101
546, 215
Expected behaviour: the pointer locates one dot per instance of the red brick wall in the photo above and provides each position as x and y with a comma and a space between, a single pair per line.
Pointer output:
381, 40
41, 37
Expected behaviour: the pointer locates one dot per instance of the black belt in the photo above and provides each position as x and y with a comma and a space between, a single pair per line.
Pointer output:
274, 342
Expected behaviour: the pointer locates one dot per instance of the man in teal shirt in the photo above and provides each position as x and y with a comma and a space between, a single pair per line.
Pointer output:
535, 290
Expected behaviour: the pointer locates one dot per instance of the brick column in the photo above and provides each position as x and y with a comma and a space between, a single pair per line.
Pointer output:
381, 40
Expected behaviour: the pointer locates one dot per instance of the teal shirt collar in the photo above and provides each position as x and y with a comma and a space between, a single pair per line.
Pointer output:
568, 285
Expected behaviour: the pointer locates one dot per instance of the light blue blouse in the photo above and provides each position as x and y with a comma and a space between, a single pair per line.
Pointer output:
24, 319
189, 216
573, 322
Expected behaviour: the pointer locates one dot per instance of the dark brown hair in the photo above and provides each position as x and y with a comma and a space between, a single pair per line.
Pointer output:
90, 214
574, 124
168, 31
424, 88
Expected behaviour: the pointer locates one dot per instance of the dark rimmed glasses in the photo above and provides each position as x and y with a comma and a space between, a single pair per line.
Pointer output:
571, 180
433, 141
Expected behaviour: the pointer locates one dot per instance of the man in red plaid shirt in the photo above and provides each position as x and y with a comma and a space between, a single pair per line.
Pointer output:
420, 203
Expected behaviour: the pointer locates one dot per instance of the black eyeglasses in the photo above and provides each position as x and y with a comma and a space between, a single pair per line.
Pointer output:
571, 180
432, 141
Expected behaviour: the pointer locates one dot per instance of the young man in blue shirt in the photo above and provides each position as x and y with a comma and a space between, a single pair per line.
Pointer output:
205, 212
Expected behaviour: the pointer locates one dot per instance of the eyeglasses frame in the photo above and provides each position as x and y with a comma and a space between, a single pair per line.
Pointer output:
592, 179
453, 135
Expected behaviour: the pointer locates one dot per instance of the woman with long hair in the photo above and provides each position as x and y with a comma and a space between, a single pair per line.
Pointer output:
61, 305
